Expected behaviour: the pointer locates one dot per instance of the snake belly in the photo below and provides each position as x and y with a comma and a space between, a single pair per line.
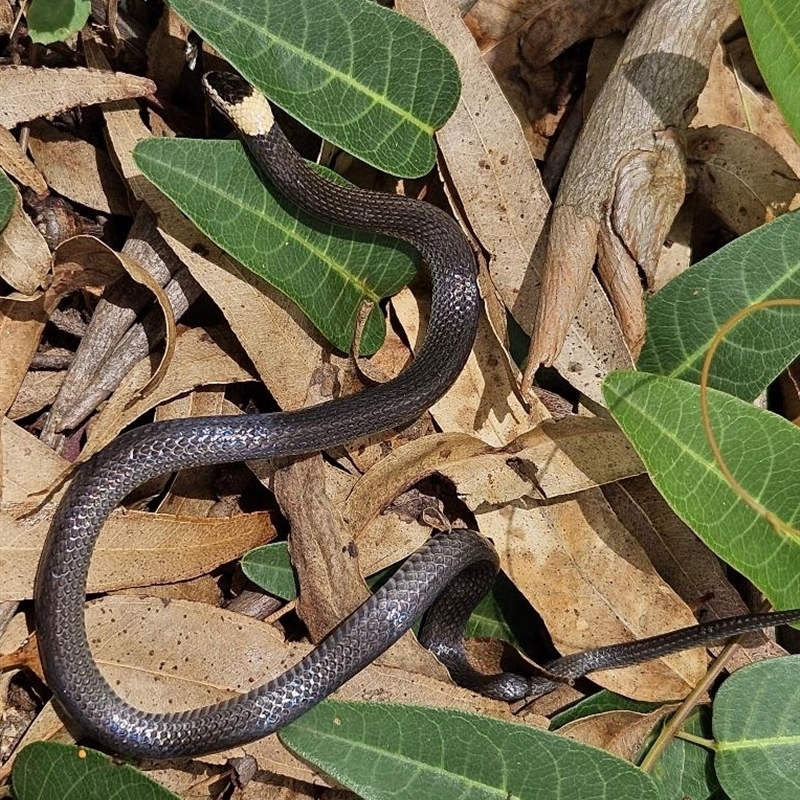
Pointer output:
160, 448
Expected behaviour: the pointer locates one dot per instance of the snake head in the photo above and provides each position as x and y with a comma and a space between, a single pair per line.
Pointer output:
246, 107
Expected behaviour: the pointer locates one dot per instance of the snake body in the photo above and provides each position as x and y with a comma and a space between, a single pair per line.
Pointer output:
448, 575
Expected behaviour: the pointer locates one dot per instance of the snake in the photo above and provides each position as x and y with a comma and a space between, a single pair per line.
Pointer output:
442, 581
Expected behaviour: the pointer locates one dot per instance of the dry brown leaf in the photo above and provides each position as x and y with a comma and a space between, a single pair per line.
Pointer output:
593, 585
21, 326
194, 493
18, 165
483, 400
402, 468
690, 568
621, 733
544, 30
135, 548
24, 254
36, 392
487, 156
555, 459
742, 178
124, 129
31, 92
77, 169
728, 100
29, 467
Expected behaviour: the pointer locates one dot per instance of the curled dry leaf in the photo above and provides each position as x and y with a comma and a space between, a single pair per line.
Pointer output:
31, 92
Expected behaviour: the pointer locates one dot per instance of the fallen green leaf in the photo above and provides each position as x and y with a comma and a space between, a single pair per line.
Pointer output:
328, 271
52, 771
773, 28
661, 417
56, 20
397, 752
756, 722
684, 316
8, 199
361, 76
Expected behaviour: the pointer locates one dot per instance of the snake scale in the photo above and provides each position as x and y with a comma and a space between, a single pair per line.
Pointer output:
446, 577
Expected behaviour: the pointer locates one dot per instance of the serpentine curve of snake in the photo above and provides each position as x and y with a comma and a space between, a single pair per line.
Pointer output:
446, 577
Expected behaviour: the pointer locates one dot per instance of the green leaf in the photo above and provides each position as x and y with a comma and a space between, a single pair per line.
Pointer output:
684, 316
686, 769
361, 76
270, 567
328, 271
661, 417
56, 20
504, 613
8, 199
773, 28
399, 752
51, 771
757, 728
599, 703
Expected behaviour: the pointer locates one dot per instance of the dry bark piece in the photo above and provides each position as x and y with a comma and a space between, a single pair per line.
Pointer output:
643, 106
113, 344
31, 92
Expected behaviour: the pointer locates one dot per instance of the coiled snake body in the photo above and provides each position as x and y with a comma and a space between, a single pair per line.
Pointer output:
460, 560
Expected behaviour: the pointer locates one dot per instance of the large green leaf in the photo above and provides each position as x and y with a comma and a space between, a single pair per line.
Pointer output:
52, 771
684, 316
773, 27
370, 80
757, 729
407, 753
328, 271
8, 198
661, 417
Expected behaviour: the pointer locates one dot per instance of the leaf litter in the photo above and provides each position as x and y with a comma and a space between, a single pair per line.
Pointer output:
598, 566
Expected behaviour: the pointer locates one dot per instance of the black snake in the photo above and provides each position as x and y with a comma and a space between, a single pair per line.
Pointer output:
449, 574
